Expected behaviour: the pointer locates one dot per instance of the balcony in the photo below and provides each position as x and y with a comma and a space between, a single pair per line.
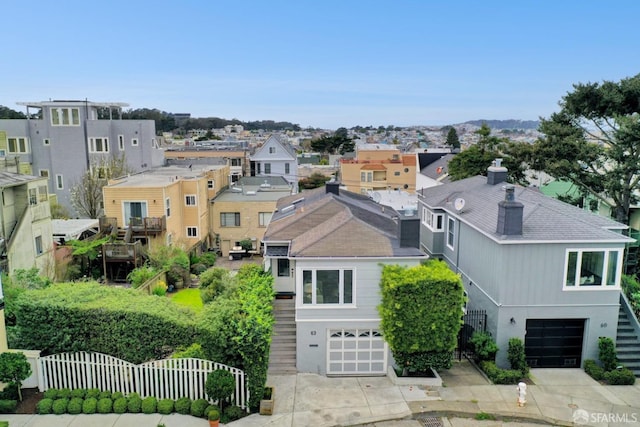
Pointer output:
120, 251
148, 226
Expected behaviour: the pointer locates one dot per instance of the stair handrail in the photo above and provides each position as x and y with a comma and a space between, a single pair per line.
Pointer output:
628, 310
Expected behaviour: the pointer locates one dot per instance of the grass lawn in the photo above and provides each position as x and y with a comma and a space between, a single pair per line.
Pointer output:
188, 297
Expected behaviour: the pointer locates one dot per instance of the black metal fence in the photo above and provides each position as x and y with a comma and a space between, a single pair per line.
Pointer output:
474, 320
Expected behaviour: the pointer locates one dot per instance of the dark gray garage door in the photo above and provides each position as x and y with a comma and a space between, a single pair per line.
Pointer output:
554, 343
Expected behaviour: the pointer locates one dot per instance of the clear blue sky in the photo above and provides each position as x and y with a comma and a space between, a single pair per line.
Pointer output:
320, 63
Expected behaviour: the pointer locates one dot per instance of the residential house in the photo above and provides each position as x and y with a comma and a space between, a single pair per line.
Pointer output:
276, 158
163, 206
243, 211
26, 237
544, 271
379, 167
325, 248
433, 168
230, 153
69, 137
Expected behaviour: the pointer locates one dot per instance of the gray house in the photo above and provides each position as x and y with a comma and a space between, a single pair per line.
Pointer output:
276, 158
62, 139
326, 248
544, 271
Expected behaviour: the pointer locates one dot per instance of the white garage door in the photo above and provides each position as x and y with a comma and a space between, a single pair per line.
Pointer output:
356, 352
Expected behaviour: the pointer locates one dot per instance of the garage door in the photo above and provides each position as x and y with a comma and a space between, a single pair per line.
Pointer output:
356, 352
554, 343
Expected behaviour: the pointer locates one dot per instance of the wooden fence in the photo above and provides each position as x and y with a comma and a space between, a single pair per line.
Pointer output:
163, 379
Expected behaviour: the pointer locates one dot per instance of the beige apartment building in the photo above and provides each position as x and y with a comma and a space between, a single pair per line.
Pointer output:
379, 167
233, 155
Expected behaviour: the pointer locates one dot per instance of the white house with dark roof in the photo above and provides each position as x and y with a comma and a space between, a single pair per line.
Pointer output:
544, 271
276, 158
326, 248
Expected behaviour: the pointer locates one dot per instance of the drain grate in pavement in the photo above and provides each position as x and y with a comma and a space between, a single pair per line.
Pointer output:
430, 421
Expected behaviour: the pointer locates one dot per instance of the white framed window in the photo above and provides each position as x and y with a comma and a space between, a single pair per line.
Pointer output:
18, 145
283, 267
286, 168
236, 162
121, 142
230, 219
192, 231
44, 173
267, 168
167, 206
433, 221
211, 184
65, 117
59, 182
190, 200
134, 142
134, 212
331, 286
38, 244
46, 141
451, 233
98, 145
593, 268
264, 218
366, 176
272, 150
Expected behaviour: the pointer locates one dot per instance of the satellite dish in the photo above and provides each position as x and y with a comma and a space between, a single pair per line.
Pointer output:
459, 204
376, 197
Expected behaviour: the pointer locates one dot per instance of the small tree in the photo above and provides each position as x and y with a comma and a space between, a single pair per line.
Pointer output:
607, 355
14, 368
220, 385
452, 138
517, 357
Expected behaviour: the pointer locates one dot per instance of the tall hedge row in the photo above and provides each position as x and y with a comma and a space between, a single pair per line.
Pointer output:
86, 316
421, 313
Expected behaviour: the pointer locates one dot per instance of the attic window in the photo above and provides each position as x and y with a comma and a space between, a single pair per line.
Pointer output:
272, 150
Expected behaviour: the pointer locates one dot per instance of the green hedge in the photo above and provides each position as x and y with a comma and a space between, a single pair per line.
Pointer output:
500, 376
149, 405
75, 405
44, 406
592, 369
165, 406
8, 406
183, 406
89, 317
622, 376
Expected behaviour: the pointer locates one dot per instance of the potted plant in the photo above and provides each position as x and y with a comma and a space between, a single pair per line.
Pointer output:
266, 403
214, 417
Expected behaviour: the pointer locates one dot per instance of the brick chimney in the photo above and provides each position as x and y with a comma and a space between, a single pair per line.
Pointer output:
496, 173
333, 187
510, 214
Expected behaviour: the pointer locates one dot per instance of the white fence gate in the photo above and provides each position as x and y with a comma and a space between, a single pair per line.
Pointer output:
163, 379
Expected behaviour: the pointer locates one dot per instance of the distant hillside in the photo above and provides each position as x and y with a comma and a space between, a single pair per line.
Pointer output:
506, 124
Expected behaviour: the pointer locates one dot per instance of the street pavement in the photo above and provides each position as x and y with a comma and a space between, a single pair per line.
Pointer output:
564, 397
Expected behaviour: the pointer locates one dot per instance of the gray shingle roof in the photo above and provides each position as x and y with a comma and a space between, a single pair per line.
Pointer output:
545, 219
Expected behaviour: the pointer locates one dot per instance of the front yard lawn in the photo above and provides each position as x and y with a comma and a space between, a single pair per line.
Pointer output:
188, 297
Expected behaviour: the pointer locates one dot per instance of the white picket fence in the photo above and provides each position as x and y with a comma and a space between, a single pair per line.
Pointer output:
163, 379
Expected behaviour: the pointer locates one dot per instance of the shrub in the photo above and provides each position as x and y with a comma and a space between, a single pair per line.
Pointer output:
79, 392
232, 413
134, 404
213, 415
210, 408
14, 368
105, 405
483, 416
120, 405
208, 259
160, 289
198, 268
149, 405
165, 406
607, 354
220, 385
93, 392
75, 406
8, 406
10, 392
116, 395
60, 406
500, 376
484, 347
140, 275
44, 406
104, 395
52, 394
90, 405
517, 357
194, 350
64, 393
198, 407
183, 406
213, 283
593, 370
622, 376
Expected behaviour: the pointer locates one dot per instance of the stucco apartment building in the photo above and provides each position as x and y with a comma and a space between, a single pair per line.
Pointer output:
62, 139
232, 154
379, 167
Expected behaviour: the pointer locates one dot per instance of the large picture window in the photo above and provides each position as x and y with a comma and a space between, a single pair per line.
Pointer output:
593, 268
65, 117
230, 219
327, 286
18, 145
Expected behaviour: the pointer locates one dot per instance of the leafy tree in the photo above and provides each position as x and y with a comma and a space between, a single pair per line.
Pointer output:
86, 194
315, 180
14, 368
421, 314
452, 138
339, 142
476, 159
87, 252
8, 113
594, 142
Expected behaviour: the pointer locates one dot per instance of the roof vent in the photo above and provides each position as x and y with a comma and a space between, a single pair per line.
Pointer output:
496, 173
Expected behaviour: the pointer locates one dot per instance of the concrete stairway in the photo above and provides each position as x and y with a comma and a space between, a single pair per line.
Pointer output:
628, 344
282, 358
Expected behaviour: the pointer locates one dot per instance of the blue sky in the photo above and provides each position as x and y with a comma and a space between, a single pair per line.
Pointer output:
318, 63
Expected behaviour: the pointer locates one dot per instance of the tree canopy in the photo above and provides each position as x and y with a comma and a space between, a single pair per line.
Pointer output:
452, 138
8, 113
339, 142
594, 142
476, 159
